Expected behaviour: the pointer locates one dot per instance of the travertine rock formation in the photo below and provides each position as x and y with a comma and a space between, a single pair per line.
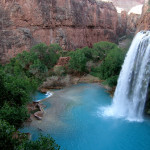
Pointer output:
71, 23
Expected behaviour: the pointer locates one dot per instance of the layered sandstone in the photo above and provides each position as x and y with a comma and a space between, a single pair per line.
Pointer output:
71, 23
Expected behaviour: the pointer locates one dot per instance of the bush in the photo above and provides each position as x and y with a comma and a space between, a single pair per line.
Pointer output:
88, 52
78, 61
43, 143
14, 115
6, 133
46, 54
55, 47
11, 139
101, 49
111, 66
112, 81
59, 70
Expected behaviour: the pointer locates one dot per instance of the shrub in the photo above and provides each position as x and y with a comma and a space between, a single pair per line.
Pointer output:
14, 115
59, 70
6, 134
88, 52
111, 66
112, 81
11, 139
78, 61
55, 47
46, 54
101, 49
43, 143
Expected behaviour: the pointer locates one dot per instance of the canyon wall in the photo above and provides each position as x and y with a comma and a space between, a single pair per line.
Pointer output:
127, 24
71, 23
144, 21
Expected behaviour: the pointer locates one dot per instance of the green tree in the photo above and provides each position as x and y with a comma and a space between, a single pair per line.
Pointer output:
88, 52
111, 66
101, 49
55, 47
14, 115
43, 143
3, 91
38, 69
7, 139
46, 54
78, 61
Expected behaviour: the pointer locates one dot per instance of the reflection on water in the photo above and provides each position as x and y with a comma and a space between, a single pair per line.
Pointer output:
74, 120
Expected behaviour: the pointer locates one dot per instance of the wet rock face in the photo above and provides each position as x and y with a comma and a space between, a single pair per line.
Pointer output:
71, 23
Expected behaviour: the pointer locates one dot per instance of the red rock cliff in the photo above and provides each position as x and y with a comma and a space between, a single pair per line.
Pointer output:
144, 21
71, 23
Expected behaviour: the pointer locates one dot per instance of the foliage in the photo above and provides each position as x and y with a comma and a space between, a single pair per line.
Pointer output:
78, 61
112, 81
55, 47
59, 70
3, 91
14, 115
38, 69
18, 80
43, 143
7, 137
34, 63
6, 133
11, 139
101, 49
46, 54
88, 52
111, 66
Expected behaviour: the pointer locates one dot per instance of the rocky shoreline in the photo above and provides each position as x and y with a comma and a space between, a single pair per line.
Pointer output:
75, 80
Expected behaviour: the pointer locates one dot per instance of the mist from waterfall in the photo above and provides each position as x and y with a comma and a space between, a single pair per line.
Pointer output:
131, 91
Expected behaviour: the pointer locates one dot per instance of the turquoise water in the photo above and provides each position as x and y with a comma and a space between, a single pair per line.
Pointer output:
38, 96
75, 121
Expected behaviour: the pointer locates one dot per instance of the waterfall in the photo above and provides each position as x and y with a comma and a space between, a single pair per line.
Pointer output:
131, 91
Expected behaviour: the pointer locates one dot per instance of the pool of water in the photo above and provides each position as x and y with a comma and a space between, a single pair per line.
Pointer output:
75, 120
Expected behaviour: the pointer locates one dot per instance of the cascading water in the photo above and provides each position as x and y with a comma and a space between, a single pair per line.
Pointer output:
131, 91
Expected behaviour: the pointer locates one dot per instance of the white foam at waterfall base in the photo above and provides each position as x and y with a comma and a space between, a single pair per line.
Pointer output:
131, 91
